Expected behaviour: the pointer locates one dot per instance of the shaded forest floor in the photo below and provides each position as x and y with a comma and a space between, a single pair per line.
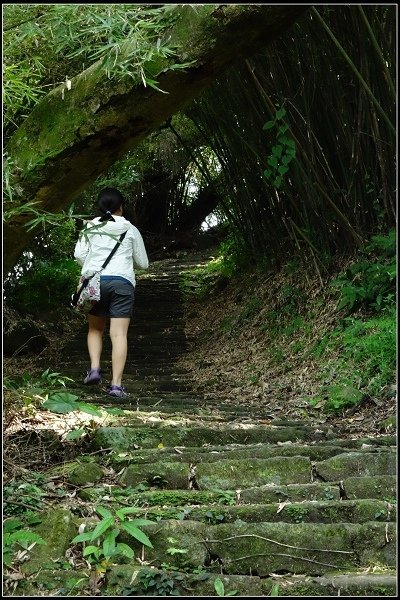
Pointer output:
263, 340
265, 357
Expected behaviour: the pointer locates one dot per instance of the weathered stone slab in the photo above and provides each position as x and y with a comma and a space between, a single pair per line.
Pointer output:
350, 511
124, 577
58, 528
55, 582
225, 474
357, 464
216, 453
126, 438
84, 473
264, 548
378, 487
383, 487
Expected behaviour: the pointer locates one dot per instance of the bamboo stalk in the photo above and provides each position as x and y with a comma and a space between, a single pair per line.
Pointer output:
386, 71
356, 71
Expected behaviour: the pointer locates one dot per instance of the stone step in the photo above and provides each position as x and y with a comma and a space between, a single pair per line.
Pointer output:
256, 501
263, 548
210, 454
122, 580
124, 438
279, 470
314, 511
381, 487
133, 382
161, 341
119, 579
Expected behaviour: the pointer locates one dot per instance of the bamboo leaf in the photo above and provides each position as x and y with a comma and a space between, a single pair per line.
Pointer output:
122, 512
103, 512
101, 528
109, 543
137, 534
82, 537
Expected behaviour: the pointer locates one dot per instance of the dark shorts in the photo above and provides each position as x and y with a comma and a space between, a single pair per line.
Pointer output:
116, 299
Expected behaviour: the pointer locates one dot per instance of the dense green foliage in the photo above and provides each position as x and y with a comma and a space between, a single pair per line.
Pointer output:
359, 361
293, 159
353, 357
370, 283
46, 286
48, 44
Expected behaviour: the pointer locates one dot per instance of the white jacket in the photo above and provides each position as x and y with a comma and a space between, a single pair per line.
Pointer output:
92, 250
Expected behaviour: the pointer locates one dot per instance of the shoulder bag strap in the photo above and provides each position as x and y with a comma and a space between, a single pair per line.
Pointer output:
113, 251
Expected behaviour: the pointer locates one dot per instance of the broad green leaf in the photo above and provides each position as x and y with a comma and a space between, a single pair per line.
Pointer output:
7, 561
88, 408
35, 391
272, 161
283, 139
126, 511
102, 527
109, 543
75, 434
139, 522
219, 587
282, 169
24, 537
103, 512
125, 550
12, 524
91, 550
269, 125
82, 537
61, 403
136, 533
280, 114
277, 150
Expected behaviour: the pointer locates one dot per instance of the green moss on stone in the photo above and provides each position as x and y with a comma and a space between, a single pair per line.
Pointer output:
86, 473
57, 529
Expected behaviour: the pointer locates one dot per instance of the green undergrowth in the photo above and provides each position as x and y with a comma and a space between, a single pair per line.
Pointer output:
359, 357
342, 328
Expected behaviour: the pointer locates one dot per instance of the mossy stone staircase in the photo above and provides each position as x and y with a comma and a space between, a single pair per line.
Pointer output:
239, 500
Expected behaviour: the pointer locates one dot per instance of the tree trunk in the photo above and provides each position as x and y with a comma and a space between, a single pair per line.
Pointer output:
72, 136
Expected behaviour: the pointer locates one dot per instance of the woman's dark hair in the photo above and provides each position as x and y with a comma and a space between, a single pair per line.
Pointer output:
109, 200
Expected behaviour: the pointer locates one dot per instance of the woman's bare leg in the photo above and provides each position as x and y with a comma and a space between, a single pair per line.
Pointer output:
95, 339
119, 339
